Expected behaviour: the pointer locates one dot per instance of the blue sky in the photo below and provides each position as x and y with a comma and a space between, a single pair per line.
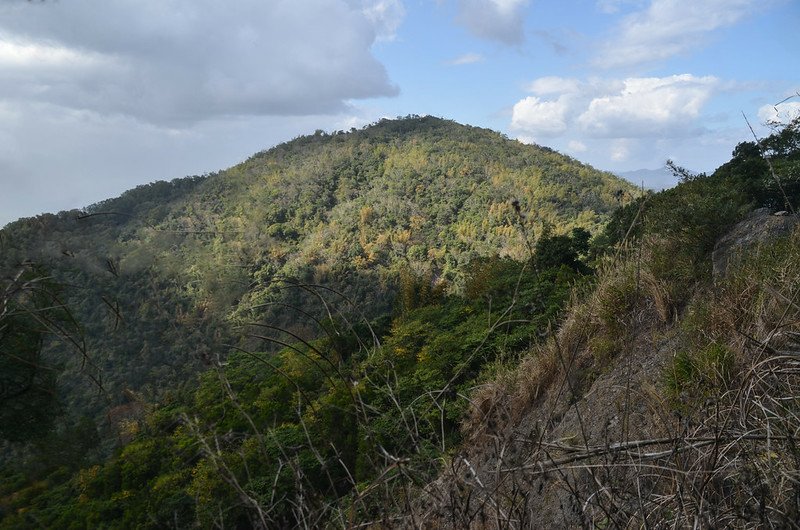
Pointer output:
96, 98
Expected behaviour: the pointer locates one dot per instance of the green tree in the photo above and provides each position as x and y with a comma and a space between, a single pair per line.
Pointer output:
31, 313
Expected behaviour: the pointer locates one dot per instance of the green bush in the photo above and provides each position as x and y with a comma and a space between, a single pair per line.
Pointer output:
694, 375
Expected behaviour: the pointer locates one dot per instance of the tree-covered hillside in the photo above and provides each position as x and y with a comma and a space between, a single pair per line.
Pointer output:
159, 284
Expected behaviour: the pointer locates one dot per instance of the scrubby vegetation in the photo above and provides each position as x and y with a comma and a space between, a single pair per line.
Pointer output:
668, 397
419, 324
322, 431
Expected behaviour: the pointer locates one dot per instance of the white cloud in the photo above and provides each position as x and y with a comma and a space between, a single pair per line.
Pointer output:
26, 55
545, 86
782, 113
386, 15
650, 106
467, 58
189, 60
667, 28
576, 146
500, 20
611, 108
508, 6
620, 150
540, 117
608, 6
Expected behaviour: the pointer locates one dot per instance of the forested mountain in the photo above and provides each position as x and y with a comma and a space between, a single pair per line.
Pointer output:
309, 338
159, 277
159, 284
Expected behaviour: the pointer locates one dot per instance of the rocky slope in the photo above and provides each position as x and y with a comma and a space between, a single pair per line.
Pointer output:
650, 418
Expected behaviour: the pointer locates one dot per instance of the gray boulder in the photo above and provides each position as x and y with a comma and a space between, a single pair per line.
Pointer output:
760, 226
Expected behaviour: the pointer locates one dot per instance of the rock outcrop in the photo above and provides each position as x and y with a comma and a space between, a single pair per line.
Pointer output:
759, 227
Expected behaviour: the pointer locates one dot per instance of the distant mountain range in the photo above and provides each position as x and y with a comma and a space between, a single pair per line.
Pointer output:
653, 179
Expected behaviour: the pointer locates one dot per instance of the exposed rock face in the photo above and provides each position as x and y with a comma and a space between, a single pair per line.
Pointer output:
760, 226
595, 405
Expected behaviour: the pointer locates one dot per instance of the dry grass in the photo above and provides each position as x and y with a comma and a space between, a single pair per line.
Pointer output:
730, 460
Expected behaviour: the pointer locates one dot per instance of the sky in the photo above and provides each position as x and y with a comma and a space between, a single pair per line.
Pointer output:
99, 97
